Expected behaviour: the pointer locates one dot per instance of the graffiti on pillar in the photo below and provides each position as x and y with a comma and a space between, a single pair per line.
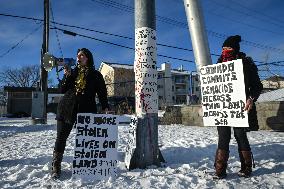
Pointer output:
145, 68
131, 143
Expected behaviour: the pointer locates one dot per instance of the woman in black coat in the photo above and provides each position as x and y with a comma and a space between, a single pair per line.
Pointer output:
80, 87
253, 88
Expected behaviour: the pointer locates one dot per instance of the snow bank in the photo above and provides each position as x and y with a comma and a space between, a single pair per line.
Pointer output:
26, 153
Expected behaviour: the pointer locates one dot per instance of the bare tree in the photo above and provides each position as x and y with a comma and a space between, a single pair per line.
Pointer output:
27, 76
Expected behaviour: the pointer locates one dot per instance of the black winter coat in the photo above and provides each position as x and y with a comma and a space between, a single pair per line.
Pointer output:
86, 103
253, 86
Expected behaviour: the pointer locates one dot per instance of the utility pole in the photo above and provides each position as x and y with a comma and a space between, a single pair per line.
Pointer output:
191, 87
198, 35
44, 75
147, 151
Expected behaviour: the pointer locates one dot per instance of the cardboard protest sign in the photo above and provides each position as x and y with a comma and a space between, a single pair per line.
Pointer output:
223, 94
131, 143
95, 154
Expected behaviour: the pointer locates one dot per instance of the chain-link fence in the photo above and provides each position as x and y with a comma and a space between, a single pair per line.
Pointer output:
272, 78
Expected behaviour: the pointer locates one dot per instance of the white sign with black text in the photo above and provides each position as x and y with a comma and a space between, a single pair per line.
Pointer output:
223, 94
95, 154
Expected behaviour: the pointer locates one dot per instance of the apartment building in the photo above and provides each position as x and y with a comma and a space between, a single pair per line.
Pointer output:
175, 86
119, 79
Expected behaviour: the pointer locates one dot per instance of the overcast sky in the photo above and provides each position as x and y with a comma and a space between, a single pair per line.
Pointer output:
259, 22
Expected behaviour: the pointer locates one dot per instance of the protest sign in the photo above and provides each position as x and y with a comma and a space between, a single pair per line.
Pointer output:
95, 154
223, 94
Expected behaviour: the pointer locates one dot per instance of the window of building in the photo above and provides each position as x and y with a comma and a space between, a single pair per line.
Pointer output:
197, 89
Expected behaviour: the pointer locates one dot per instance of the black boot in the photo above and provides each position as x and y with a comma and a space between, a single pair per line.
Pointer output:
220, 164
56, 164
246, 163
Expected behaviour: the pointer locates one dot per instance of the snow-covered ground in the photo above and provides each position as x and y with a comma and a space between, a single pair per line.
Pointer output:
26, 153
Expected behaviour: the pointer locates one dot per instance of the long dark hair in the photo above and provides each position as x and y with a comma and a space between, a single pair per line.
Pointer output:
89, 55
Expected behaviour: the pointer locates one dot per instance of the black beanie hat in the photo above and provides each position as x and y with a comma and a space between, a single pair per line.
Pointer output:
233, 41
89, 55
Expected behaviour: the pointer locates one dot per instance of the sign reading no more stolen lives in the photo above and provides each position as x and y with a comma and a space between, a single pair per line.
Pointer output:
223, 94
95, 154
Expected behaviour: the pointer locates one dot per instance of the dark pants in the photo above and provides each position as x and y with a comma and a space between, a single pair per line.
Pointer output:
240, 135
63, 131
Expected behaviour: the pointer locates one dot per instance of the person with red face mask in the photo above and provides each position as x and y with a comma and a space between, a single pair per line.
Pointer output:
253, 88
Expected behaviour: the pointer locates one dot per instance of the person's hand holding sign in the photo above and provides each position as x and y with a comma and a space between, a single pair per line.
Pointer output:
249, 104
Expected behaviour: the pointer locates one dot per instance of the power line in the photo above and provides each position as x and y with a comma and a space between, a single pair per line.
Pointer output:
118, 45
57, 37
272, 63
14, 46
249, 25
61, 24
123, 46
121, 36
243, 13
106, 33
125, 8
159, 44
101, 32
58, 42
282, 61
270, 18
163, 19
23, 17
267, 70
87, 29
257, 45
184, 25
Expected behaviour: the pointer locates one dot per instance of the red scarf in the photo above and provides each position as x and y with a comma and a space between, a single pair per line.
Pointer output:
228, 55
